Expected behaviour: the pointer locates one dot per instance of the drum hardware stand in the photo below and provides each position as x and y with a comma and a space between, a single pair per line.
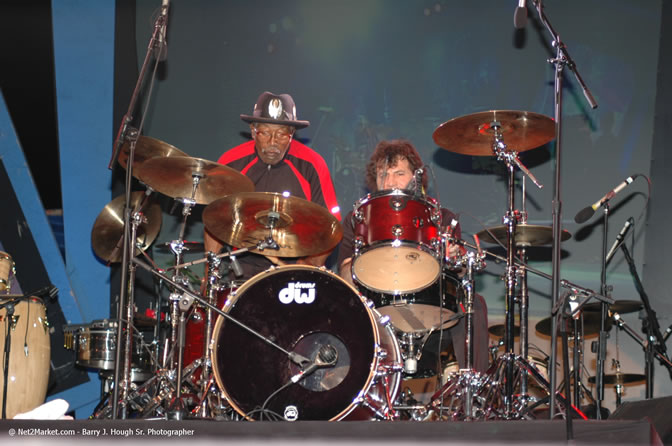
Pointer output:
561, 60
136, 219
466, 386
202, 410
156, 46
511, 219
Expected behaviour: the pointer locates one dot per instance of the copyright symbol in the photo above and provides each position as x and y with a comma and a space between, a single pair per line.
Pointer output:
12, 432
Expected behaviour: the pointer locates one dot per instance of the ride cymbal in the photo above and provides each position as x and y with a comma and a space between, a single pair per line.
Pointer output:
303, 228
108, 229
620, 306
147, 148
526, 235
620, 378
474, 134
174, 176
497, 330
591, 325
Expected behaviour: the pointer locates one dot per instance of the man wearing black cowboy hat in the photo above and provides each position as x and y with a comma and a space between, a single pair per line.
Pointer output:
276, 162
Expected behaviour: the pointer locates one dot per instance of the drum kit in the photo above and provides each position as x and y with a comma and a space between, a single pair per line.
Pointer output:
296, 341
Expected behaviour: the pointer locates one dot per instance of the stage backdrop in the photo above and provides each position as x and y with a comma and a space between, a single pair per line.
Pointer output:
366, 70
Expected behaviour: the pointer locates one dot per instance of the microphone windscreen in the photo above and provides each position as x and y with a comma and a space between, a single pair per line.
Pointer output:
584, 214
520, 18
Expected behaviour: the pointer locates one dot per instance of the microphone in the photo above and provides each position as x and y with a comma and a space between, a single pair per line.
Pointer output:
235, 266
162, 49
619, 238
520, 15
586, 213
417, 180
326, 357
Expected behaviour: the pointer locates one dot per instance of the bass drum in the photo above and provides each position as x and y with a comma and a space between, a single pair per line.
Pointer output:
302, 308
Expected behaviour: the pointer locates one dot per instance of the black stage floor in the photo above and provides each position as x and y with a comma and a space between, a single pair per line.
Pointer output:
622, 432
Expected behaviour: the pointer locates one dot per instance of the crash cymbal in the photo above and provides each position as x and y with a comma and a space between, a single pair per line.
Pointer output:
497, 330
591, 325
526, 235
173, 176
473, 134
303, 228
147, 148
620, 378
108, 229
620, 306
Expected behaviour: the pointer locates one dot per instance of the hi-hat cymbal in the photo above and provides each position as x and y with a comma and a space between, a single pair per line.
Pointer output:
591, 325
620, 306
147, 148
620, 378
474, 134
174, 176
108, 229
526, 235
497, 330
303, 228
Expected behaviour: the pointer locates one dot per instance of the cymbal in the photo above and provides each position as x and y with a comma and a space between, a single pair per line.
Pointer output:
497, 330
147, 148
474, 134
108, 229
526, 235
591, 325
620, 378
173, 176
303, 228
620, 306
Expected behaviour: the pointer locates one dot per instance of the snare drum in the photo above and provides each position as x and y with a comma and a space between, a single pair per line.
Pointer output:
397, 242
301, 309
95, 345
29, 356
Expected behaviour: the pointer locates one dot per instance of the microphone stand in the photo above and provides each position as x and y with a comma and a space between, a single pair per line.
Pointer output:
655, 344
561, 60
11, 323
127, 134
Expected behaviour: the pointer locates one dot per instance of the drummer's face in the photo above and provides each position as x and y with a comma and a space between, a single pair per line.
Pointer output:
272, 141
398, 176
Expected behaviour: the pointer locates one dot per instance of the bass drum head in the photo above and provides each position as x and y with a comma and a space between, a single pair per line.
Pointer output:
300, 308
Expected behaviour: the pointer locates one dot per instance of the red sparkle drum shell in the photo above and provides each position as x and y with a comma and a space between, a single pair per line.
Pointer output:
399, 237
194, 339
301, 308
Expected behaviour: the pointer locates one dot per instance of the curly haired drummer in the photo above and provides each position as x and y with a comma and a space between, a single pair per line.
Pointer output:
394, 176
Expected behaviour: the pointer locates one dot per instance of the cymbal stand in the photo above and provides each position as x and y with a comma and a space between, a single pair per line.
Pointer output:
122, 377
178, 305
206, 366
511, 219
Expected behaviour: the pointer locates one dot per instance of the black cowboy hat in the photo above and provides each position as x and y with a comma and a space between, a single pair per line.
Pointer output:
275, 109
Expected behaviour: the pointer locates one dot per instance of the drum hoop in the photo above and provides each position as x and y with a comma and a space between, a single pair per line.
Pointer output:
432, 202
235, 295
